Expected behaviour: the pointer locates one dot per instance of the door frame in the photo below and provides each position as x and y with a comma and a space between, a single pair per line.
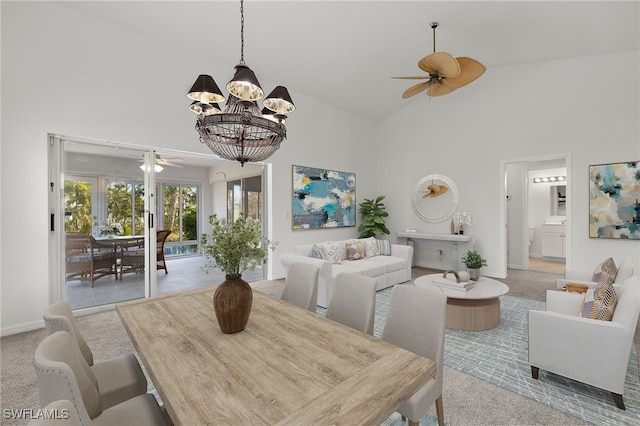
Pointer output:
503, 208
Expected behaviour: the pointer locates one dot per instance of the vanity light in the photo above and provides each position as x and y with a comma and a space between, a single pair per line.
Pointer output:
546, 179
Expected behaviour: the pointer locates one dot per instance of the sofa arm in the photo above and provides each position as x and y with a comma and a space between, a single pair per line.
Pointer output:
325, 276
564, 302
575, 347
403, 251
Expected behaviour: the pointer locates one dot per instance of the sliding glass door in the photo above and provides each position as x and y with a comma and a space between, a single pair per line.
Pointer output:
107, 228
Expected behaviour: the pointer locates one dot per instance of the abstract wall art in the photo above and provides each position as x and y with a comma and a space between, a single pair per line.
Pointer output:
323, 198
614, 200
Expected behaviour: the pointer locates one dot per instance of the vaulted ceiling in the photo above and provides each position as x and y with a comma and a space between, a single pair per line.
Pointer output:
344, 52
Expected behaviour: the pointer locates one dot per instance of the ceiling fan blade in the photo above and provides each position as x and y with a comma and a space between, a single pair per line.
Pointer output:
415, 77
438, 90
470, 70
415, 89
441, 63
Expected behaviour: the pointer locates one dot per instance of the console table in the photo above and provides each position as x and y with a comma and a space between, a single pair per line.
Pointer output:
440, 251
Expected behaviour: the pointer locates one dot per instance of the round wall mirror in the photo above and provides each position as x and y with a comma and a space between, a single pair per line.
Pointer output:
435, 198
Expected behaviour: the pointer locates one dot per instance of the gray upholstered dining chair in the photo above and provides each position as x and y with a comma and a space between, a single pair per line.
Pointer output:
63, 373
353, 301
301, 286
416, 322
120, 378
57, 413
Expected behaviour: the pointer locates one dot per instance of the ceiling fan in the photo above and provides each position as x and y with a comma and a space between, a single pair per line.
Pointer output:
444, 72
169, 162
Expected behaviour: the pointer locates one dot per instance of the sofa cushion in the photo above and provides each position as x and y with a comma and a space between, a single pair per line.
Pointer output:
316, 252
384, 247
600, 302
370, 246
364, 266
332, 252
355, 250
605, 272
391, 263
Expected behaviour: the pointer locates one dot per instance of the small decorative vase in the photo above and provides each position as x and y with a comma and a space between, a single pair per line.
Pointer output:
474, 274
232, 304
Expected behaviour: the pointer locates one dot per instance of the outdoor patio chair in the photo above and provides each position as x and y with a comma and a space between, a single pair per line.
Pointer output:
88, 259
161, 238
131, 255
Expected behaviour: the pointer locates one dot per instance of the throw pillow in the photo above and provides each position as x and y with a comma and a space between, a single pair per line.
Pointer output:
384, 247
599, 302
355, 250
605, 272
370, 246
316, 252
332, 252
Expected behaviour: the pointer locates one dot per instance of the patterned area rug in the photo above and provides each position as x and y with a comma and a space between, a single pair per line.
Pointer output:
499, 356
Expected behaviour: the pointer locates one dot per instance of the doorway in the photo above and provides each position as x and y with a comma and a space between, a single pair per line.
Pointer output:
530, 213
121, 195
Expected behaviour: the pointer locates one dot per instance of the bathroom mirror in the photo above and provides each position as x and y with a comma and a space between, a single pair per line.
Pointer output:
558, 194
435, 198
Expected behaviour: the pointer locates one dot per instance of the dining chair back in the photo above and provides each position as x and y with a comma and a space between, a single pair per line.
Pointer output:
120, 378
353, 301
161, 236
60, 374
87, 258
416, 322
131, 254
301, 286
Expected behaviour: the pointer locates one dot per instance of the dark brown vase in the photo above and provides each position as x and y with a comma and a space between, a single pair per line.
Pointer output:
232, 304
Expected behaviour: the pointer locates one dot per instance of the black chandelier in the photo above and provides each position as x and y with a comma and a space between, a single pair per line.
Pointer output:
240, 131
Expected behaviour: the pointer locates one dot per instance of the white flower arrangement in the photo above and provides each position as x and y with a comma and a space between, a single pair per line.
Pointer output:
110, 228
464, 221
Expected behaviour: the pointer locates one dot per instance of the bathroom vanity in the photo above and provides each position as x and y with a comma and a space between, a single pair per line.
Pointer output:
554, 240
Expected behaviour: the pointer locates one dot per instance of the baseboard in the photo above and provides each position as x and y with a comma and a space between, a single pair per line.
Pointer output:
21, 328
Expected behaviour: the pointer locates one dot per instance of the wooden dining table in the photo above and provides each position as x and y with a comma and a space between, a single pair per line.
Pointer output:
289, 366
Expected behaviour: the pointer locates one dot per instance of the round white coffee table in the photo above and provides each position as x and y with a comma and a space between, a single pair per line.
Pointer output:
473, 310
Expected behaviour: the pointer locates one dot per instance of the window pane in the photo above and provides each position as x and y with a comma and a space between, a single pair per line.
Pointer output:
171, 214
138, 213
77, 207
119, 206
189, 213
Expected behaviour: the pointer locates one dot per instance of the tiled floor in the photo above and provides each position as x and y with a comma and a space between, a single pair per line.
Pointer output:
183, 274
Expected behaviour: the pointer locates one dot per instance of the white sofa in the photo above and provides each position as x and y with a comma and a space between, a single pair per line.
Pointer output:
625, 270
386, 270
591, 351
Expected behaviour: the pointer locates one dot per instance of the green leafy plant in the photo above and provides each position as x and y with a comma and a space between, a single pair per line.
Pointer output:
473, 260
373, 213
235, 247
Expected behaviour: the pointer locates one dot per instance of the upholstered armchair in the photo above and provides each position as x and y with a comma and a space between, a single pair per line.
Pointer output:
573, 276
591, 351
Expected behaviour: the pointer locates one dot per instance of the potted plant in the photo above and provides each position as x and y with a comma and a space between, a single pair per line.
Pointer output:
373, 213
474, 262
234, 247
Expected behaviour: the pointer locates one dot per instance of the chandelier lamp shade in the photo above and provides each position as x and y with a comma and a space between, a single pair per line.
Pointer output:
240, 131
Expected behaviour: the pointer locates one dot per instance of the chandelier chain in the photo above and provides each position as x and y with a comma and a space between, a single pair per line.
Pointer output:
242, 32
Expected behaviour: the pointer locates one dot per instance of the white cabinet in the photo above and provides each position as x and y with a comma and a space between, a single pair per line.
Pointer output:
553, 241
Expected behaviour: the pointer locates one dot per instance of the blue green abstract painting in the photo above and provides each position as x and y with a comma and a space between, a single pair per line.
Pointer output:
614, 200
323, 198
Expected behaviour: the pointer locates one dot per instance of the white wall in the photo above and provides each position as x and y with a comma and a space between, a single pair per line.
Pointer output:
66, 73
509, 113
